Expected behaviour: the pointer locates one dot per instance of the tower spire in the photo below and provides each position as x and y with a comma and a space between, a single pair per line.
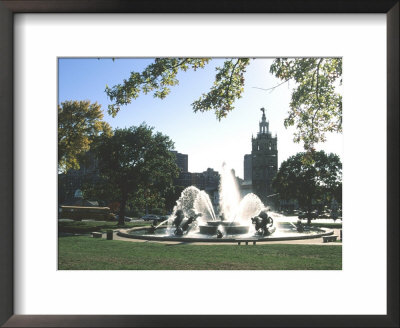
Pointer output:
263, 115
264, 125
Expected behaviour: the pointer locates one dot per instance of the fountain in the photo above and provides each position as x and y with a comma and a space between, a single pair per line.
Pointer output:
194, 210
194, 218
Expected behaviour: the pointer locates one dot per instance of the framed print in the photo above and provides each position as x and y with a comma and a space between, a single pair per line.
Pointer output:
55, 53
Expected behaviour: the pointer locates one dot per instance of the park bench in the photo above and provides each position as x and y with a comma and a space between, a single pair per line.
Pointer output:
97, 235
253, 240
327, 239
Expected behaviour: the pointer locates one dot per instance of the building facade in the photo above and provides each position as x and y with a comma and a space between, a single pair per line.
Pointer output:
181, 161
247, 168
73, 180
207, 181
264, 159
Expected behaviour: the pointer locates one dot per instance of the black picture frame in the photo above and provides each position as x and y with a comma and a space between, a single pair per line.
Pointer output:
7, 10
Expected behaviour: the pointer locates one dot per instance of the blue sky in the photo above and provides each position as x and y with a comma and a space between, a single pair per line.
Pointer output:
207, 141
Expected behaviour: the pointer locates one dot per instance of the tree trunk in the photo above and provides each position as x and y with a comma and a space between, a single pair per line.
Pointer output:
121, 219
309, 207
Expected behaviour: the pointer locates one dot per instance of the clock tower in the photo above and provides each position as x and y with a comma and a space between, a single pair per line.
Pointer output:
264, 159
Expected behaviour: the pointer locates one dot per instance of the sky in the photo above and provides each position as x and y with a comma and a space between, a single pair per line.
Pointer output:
207, 141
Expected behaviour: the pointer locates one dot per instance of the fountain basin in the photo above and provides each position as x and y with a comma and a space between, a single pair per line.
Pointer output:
230, 228
163, 235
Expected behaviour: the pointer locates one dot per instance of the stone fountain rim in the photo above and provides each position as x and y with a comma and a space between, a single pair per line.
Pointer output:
125, 233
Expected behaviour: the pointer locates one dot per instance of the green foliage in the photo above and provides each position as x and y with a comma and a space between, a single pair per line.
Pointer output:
157, 78
149, 197
135, 163
79, 122
315, 107
327, 225
100, 191
171, 195
304, 181
227, 88
162, 74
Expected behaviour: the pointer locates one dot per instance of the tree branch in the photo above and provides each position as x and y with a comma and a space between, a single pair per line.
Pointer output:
317, 95
179, 64
278, 85
230, 79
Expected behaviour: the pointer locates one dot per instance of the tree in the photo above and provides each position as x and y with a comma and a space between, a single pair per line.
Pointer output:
297, 179
79, 122
315, 108
135, 159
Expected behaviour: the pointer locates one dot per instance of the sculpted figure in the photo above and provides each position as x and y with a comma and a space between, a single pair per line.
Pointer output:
299, 225
181, 225
262, 223
153, 227
179, 216
186, 225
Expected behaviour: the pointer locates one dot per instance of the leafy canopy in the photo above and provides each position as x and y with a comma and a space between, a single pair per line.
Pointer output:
135, 159
79, 123
315, 107
298, 179
157, 78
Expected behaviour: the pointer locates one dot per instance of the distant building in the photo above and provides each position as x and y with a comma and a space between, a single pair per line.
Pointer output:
73, 180
184, 179
207, 181
264, 159
211, 179
245, 187
247, 167
181, 161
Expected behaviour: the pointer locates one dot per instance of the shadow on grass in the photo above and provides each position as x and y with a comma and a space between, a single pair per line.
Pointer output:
179, 244
86, 227
71, 234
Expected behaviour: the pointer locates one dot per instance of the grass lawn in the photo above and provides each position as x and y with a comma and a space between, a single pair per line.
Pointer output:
86, 253
90, 226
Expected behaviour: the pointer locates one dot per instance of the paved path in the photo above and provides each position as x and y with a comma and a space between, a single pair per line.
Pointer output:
314, 241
